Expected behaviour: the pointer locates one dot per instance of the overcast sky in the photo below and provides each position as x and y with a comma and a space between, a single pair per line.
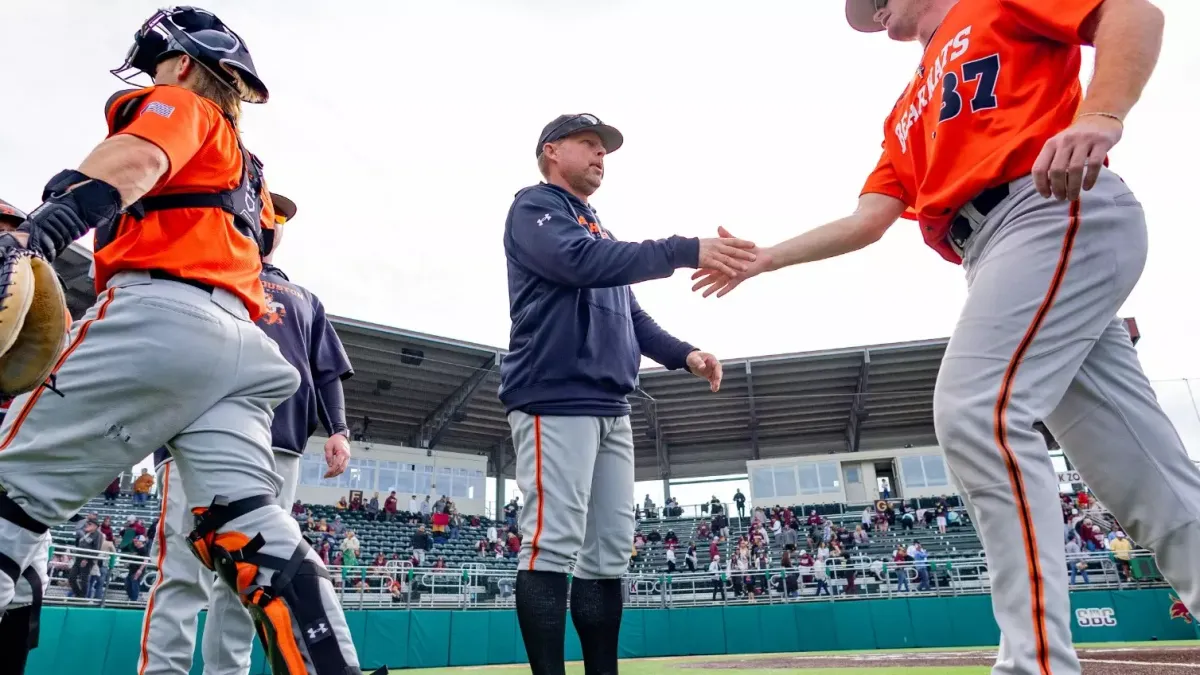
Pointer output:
403, 128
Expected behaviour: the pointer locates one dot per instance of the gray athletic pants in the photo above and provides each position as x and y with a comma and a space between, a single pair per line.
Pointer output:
155, 363
184, 588
576, 477
1039, 340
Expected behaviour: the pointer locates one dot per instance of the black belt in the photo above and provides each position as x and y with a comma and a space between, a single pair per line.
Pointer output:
961, 227
159, 274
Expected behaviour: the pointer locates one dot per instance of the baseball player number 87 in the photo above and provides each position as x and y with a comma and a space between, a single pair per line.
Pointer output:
985, 71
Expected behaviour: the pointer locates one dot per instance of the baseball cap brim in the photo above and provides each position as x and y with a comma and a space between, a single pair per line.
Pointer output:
609, 136
860, 14
283, 206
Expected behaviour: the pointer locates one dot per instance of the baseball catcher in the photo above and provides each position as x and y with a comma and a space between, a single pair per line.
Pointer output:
169, 354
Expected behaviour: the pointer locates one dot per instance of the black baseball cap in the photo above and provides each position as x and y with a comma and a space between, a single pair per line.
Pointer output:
569, 125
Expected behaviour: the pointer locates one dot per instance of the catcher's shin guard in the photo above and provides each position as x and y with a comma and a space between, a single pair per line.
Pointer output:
19, 626
288, 609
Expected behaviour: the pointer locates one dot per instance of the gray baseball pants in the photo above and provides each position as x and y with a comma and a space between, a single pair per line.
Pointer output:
185, 587
153, 363
1039, 340
576, 477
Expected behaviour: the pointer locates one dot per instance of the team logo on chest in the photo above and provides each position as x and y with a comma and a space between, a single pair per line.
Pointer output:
944, 81
275, 311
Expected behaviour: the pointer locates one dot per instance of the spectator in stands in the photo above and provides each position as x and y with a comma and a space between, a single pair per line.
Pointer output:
297, 509
821, 575
514, 544
814, 520
106, 528
845, 539
739, 500
654, 537
787, 539
483, 547
827, 532
868, 517
1121, 547
720, 525
350, 549
356, 503
940, 511
639, 540
322, 528
1074, 555
758, 517
886, 493
142, 487
670, 559
920, 559
389, 506
421, 544
510, 512
714, 506
414, 507
341, 504
1083, 500
373, 508
718, 584
702, 531
671, 539
908, 519
493, 535
648, 506
324, 549
901, 559
440, 564
713, 547
308, 525
112, 492
739, 565
690, 559
890, 515
498, 549
861, 539
790, 577
822, 552
673, 509
98, 579
339, 527
133, 577
440, 505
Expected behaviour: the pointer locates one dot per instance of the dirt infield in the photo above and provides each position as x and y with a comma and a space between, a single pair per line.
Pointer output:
1098, 661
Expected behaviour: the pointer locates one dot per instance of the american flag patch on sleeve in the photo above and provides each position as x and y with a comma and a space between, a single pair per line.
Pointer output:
160, 108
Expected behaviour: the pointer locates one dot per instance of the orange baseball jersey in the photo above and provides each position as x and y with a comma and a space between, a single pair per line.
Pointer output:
998, 79
200, 244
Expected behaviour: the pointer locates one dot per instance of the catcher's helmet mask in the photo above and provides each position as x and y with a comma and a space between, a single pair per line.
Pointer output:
10, 213
202, 36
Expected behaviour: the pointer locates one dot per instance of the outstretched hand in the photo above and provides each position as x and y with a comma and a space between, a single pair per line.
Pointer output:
715, 280
705, 365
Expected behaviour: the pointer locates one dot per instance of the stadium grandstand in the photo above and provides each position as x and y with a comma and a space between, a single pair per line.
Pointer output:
822, 437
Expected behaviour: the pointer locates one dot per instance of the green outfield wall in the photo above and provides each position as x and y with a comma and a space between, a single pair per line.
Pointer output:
107, 641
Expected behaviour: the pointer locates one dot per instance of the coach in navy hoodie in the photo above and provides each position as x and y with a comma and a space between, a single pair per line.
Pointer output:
577, 339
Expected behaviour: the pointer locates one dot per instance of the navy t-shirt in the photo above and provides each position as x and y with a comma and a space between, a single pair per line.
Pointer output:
296, 321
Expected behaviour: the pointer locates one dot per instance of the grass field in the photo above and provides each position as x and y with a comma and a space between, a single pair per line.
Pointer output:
1182, 657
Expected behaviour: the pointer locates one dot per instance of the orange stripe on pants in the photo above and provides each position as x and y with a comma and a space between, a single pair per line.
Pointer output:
161, 535
37, 393
541, 496
1025, 516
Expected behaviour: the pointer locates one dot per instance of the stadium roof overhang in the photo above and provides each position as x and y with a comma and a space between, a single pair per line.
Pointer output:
431, 392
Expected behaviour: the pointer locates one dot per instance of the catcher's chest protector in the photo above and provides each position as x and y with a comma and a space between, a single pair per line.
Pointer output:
33, 321
244, 202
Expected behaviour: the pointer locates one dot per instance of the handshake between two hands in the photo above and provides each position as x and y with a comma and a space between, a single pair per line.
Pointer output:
726, 261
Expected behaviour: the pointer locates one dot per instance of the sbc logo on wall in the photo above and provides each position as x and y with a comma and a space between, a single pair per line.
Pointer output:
1095, 617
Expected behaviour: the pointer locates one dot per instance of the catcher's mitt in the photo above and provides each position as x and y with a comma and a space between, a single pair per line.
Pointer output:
33, 320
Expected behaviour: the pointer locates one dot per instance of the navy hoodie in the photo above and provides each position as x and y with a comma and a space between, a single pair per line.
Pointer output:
578, 333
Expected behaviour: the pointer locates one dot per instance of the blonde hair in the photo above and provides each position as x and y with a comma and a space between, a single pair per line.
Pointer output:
202, 81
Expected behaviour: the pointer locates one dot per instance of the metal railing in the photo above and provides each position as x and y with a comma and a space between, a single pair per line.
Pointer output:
123, 580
